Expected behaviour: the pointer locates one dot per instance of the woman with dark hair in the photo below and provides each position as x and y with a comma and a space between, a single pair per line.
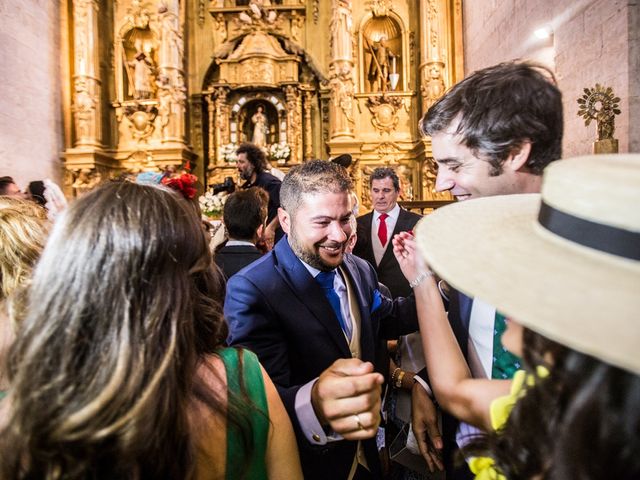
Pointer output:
119, 370
564, 268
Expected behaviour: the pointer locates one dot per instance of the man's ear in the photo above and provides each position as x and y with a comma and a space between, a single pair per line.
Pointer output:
285, 220
517, 161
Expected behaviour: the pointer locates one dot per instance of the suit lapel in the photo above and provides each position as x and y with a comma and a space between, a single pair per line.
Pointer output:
303, 285
366, 332
366, 237
465, 310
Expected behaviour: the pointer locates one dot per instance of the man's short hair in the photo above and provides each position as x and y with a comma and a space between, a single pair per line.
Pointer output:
501, 107
381, 173
314, 176
4, 184
244, 211
255, 155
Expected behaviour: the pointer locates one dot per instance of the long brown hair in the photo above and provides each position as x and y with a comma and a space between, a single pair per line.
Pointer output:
581, 421
125, 302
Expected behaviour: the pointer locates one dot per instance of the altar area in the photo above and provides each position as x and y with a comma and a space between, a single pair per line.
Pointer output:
168, 84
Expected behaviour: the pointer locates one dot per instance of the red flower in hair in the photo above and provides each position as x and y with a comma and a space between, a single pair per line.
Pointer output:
184, 184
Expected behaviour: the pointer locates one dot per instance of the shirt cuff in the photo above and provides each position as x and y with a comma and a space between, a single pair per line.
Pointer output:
309, 423
424, 385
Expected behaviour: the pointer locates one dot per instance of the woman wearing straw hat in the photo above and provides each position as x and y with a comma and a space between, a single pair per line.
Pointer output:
565, 268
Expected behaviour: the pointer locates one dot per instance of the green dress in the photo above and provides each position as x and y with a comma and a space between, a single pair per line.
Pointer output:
238, 465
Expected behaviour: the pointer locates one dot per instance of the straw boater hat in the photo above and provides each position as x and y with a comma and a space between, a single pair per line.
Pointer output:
565, 263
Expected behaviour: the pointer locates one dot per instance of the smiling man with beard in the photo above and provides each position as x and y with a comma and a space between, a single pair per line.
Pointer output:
314, 316
491, 134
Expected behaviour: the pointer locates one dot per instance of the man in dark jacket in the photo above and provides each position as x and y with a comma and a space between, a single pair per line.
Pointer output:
244, 216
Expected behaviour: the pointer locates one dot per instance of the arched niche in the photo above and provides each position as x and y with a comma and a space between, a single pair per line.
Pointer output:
242, 121
136, 57
375, 34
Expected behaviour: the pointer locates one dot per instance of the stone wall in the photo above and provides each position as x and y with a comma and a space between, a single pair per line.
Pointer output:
593, 41
30, 105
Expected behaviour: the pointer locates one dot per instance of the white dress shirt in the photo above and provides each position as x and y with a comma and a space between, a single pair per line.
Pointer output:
391, 220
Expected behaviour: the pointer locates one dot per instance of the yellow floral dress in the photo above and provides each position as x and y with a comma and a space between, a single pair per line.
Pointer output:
500, 410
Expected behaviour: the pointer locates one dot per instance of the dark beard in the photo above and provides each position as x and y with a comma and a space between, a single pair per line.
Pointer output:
246, 175
310, 258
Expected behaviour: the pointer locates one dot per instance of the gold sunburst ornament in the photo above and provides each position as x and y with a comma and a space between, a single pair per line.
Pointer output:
600, 104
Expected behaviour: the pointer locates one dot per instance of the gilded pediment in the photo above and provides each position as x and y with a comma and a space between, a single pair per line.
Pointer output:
259, 59
258, 44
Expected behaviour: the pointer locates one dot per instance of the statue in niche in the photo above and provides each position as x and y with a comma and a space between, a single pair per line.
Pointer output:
382, 65
142, 77
260, 127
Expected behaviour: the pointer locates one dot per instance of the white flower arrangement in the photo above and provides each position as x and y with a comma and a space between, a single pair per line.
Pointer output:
279, 152
212, 205
228, 152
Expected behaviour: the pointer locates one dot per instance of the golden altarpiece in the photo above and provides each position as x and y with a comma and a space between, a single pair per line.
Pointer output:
159, 84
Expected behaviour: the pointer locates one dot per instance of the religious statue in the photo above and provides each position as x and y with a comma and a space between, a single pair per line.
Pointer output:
142, 81
341, 24
260, 128
381, 56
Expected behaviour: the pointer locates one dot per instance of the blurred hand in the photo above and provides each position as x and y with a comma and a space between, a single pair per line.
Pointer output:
269, 238
347, 398
405, 250
424, 421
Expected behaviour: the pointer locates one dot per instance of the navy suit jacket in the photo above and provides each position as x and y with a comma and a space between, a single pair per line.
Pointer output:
275, 308
389, 272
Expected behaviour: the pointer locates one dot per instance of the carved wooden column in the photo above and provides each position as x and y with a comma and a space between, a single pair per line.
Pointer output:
220, 121
171, 86
307, 134
434, 36
211, 138
341, 71
86, 105
294, 122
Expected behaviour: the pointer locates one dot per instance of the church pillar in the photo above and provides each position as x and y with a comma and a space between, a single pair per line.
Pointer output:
221, 121
211, 138
341, 71
434, 36
294, 122
171, 86
86, 106
308, 136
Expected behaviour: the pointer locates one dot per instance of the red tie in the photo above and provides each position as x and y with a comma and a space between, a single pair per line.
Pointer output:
382, 229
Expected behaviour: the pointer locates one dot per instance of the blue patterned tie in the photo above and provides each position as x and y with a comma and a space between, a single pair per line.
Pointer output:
326, 279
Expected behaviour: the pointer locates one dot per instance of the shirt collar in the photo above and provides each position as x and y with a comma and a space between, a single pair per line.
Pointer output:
234, 243
393, 213
312, 270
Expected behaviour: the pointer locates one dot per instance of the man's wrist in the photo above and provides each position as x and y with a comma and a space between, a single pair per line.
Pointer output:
314, 403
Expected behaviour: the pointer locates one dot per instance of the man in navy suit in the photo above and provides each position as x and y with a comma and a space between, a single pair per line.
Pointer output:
386, 220
244, 216
491, 134
314, 316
